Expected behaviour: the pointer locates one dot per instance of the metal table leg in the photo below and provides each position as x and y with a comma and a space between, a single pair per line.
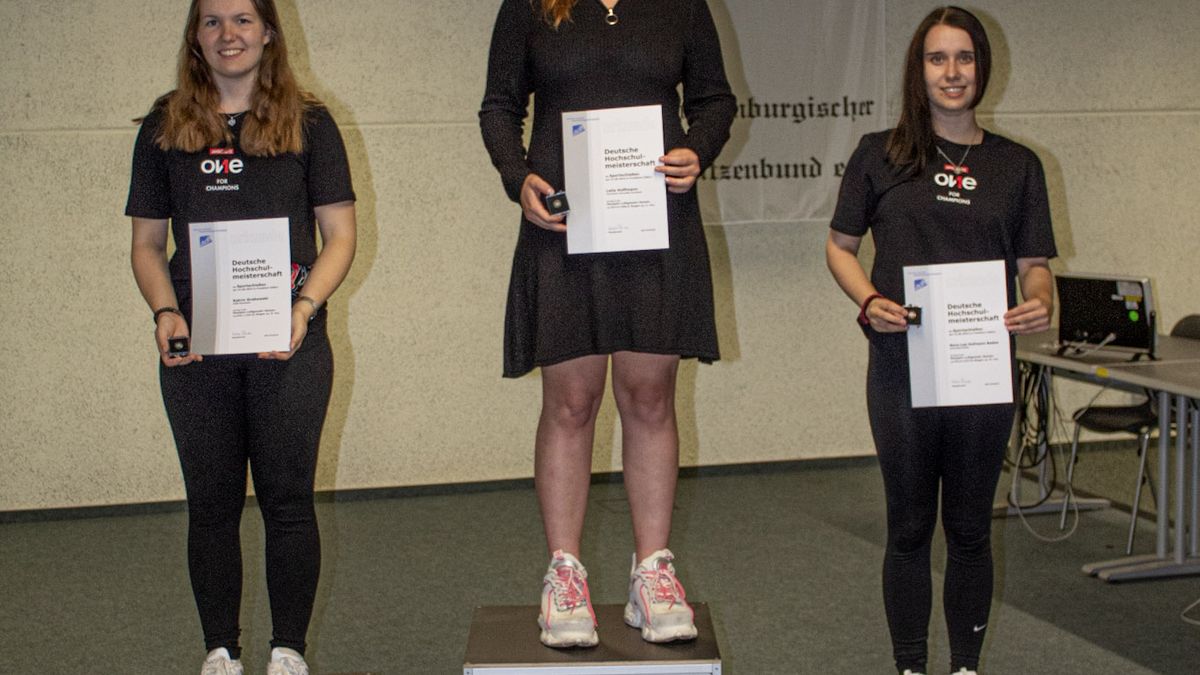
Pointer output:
1178, 564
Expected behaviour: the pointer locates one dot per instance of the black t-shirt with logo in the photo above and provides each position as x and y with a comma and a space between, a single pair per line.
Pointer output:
224, 183
994, 208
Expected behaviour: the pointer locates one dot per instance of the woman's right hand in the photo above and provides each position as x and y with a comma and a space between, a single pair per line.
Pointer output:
172, 325
532, 191
886, 316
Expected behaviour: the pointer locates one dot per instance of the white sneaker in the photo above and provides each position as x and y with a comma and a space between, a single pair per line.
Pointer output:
912, 672
964, 671
656, 600
286, 661
567, 618
218, 663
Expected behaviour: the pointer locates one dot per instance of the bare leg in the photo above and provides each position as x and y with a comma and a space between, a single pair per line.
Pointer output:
644, 387
571, 395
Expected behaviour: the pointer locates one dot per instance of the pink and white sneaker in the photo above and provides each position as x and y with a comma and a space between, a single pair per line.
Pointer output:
657, 601
567, 618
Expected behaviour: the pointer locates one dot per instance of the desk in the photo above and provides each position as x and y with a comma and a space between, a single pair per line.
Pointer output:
1175, 374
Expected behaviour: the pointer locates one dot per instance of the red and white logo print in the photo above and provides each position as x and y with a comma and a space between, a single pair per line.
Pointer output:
956, 180
222, 166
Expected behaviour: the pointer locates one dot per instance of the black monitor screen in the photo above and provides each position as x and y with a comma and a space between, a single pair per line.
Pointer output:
1115, 311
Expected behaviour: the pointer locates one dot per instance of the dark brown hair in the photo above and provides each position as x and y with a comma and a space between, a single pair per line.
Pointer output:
192, 119
910, 143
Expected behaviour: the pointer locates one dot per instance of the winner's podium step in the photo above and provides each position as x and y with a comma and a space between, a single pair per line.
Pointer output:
504, 641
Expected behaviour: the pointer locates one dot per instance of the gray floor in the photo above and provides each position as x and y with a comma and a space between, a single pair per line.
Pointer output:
787, 558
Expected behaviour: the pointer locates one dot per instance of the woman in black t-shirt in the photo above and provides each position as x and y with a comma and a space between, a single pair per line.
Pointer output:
939, 189
238, 140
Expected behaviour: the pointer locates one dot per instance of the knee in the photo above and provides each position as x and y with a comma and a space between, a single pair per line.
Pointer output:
967, 541
646, 403
215, 502
216, 513
571, 408
287, 506
910, 536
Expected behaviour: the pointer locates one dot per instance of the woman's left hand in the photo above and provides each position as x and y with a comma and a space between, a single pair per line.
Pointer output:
681, 166
1031, 316
301, 312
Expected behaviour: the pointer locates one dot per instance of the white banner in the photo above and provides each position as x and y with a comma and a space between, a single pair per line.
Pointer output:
808, 75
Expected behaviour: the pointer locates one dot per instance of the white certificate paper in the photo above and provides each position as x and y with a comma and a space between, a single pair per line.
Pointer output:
960, 354
241, 286
618, 201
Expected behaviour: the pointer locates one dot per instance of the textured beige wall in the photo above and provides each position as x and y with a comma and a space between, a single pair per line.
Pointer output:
1110, 102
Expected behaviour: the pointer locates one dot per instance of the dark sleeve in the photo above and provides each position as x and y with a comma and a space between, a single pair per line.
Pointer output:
149, 182
708, 103
506, 99
856, 196
1034, 237
328, 169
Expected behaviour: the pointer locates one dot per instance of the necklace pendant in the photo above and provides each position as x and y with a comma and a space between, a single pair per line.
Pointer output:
232, 122
611, 18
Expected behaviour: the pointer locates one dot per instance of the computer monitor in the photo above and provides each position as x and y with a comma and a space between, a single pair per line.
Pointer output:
1107, 311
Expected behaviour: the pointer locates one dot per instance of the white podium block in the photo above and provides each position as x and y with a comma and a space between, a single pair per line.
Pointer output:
504, 641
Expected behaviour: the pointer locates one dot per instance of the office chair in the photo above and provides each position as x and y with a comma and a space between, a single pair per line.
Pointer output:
1140, 420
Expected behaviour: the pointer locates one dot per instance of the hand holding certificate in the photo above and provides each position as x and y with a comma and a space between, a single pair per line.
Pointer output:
618, 200
960, 354
241, 286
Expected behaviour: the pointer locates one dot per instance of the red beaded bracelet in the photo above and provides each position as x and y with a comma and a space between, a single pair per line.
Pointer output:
862, 312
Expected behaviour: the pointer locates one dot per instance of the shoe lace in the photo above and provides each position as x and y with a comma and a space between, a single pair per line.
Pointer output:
218, 668
570, 589
291, 666
662, 583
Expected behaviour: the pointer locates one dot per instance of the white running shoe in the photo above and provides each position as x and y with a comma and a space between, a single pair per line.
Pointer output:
286, 661
964, 671
657, 602
912, 672
567, 618
218, 663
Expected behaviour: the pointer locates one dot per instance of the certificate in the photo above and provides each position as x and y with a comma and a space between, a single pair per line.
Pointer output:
241, 286
960, 354
618, 201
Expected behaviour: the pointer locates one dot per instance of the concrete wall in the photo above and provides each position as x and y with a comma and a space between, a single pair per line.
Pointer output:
1107, 91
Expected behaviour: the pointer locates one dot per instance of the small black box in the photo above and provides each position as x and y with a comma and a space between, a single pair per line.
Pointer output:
178, 346
557, 203
912, 315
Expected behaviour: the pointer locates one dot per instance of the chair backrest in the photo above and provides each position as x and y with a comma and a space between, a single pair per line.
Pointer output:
1188, 327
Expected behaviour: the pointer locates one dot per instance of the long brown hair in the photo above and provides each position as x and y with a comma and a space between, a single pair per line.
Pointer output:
556, 11
910, 143
192, 119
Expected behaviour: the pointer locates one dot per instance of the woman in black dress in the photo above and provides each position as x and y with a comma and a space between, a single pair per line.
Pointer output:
571, 315
939, 189
239, 140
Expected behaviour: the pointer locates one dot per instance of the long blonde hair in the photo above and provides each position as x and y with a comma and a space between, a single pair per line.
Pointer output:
192, 119
556, 11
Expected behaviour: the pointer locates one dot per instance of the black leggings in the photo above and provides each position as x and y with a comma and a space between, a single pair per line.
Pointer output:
223, 413
960, 450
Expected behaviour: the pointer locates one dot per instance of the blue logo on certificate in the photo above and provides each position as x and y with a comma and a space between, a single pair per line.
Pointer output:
918, 284
577, 129
205, 239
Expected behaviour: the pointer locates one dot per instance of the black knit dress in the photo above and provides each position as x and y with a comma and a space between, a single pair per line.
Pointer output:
564, 306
